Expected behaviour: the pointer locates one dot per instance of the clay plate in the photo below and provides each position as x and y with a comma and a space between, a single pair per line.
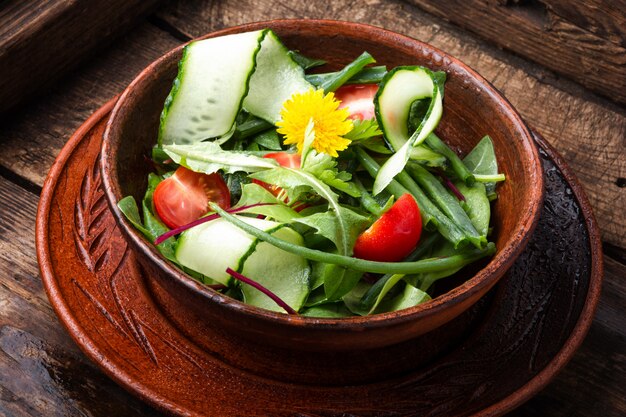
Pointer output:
505, 348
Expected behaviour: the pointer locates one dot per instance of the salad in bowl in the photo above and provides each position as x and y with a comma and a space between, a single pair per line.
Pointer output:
312, 192
305, 177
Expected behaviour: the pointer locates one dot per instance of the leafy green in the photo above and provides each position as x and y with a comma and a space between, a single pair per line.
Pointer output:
327, 310
151, 227
477, 205
426, 156
208, 157
324, 166
410, 297
363, 129
482, 161
368, 75
326, 224
304, 61
269, 140
253, 194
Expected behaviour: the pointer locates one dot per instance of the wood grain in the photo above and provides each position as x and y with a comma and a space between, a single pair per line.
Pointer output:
604, 18
40, 367
42, 372
548, 38
590, 134
41, 40
32, 138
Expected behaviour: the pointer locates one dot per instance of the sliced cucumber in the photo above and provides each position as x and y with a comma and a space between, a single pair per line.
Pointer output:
276, 78
217, 76
285, 274
208, 90
212, 247
398, 90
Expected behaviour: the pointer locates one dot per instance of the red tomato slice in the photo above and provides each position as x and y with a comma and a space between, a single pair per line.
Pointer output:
184, 197
359, 99
285, 159
394, 235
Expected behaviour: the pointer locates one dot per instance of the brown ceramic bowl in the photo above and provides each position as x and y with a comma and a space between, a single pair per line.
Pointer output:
472, 109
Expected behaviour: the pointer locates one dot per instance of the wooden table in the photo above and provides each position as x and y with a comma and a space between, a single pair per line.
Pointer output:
43, 373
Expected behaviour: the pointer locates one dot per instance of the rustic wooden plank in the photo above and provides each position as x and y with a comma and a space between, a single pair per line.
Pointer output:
42, 372
33, 137
544, 37
605, 18
588, 132
41, 40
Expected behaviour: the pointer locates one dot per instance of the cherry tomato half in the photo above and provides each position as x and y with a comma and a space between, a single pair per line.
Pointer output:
185, 196
394, 235
359, 99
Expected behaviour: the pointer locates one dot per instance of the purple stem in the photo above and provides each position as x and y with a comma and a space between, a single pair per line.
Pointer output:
450, 185
201, 220
261, 288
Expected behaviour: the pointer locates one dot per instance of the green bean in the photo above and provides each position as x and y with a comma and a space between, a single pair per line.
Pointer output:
429, 211
369, 75
426, 265
340, 77
446, 202
457, 165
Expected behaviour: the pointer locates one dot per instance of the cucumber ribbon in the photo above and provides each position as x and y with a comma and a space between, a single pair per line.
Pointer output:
217, 77
399, 89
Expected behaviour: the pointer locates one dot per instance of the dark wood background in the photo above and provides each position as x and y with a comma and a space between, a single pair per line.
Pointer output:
562, 65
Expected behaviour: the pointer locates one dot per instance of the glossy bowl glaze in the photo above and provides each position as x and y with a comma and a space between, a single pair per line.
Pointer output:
472, 109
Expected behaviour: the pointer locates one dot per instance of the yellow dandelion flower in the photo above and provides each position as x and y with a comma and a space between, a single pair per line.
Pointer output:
329, 122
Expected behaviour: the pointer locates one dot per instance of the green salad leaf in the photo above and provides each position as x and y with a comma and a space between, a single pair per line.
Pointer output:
208, 157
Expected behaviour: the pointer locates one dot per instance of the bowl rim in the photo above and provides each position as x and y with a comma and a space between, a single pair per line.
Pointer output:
484, 279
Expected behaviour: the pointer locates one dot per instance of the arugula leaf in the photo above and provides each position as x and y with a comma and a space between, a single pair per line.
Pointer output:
151, 227
363, 129
253, 194
208, 157
376, 144
298, 181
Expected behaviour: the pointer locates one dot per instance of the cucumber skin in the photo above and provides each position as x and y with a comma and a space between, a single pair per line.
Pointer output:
306, 271
381, 87
180, 77
172, 94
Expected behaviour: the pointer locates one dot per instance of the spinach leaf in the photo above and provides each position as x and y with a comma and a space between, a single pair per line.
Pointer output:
304, 61
269, 140
482, 161
327, 224
410, 297
328, 310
